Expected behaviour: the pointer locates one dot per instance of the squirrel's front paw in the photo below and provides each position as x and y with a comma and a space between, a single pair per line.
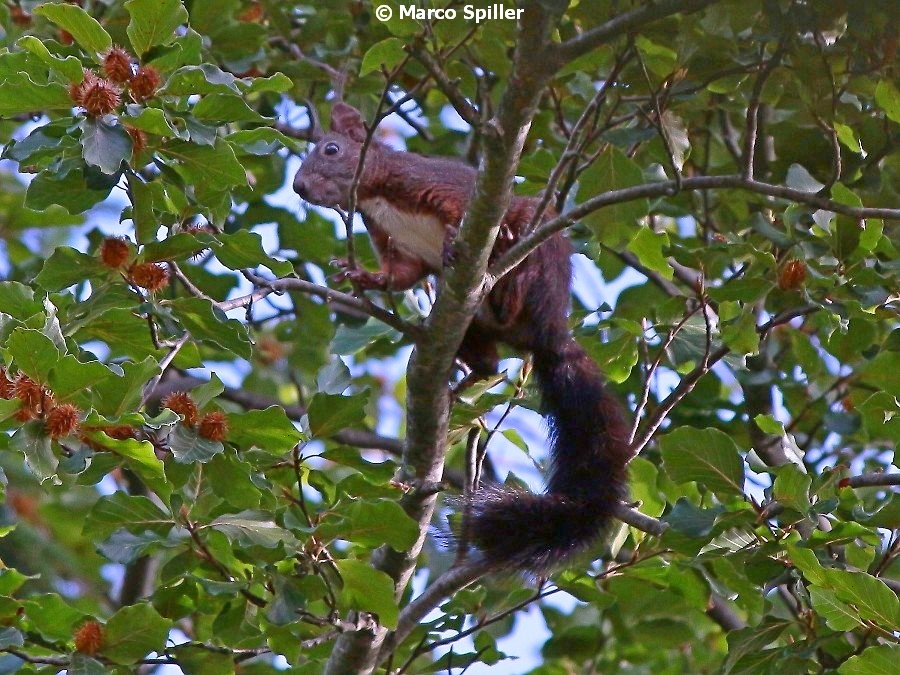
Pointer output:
362, 278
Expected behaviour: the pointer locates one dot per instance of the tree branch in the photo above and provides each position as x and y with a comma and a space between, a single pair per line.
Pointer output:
874, 480
621, 25
523, 247
429, 370
351, 302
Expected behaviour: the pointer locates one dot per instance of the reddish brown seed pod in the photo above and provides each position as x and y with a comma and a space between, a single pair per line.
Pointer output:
792, 275
6, 385
100, 97
114, 252
252, 14
144, 83
76, 89
151, 276
138, 139
181, 402
34, 397
24, 415
214, 426
62, 420
89, 637
118, 65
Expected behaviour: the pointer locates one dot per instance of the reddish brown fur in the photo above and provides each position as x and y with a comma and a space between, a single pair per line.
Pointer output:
526, 310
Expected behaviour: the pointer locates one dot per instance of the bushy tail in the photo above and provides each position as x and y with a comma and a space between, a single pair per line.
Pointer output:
589, 453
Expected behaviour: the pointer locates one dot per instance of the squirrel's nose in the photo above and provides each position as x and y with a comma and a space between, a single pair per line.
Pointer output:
300, 186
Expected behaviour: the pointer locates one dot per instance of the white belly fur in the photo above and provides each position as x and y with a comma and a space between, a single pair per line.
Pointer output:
419, 236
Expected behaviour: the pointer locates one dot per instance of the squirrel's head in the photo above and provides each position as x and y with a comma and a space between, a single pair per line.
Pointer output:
326, 174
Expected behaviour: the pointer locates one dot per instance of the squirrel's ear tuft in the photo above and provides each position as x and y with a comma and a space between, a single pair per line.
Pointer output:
346, 120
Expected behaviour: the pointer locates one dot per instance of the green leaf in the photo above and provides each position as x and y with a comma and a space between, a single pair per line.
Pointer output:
76, 191
197, 660
368, 590
82, 664
105, 145
799, 178
277, 83
132, 512
70, 67
228, 478
247, 138
70, 376
769, 424
253, 528
376, 523
741, 336
11, 580
153, 121
133, 632
124, 548
741, 290
691, 521
748, 641
613, 170
269, 429
245, 249
883, 372
871, 596
329, 413
375, 472
178, 246
648, 246
838, 615
388, 53
123, 393
847, 136
616, 357
349, 340
397, 24
704, 455
33, 442
805, 560
51, 616
659, 59
189, 447
33, 353
67, 266
141, 458
877, 660
334, 378
791, 488
202, 79
226, 108
145, 222
20, 95
206, 322
213, 166
888, 99
18, 300
153, 22
84, 28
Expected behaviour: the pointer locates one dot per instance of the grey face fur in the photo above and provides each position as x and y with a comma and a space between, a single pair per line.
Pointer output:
327, 173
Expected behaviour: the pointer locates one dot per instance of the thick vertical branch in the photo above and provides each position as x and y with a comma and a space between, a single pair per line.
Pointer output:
461, 294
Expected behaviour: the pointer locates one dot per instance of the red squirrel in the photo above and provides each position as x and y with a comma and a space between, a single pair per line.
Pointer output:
412, 206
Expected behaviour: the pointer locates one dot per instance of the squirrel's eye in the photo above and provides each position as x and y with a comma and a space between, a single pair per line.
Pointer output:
331, 149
